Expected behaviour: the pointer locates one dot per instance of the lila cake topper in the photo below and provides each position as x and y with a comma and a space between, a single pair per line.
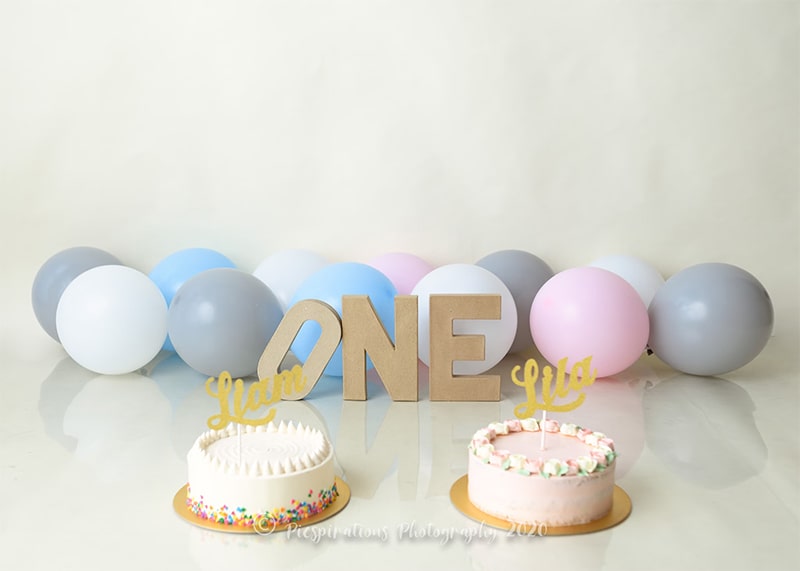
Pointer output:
581, 376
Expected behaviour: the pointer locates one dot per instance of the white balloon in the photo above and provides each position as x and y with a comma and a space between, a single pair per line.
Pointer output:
284, 271
112, 320
468, 279
644, 277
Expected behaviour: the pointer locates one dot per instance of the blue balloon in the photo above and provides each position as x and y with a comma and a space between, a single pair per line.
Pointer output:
329, 285
171, 272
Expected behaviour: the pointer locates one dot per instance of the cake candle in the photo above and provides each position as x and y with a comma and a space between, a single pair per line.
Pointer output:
544, 432
239, 443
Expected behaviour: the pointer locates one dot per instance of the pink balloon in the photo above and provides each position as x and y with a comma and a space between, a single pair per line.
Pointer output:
590, 311
403, 270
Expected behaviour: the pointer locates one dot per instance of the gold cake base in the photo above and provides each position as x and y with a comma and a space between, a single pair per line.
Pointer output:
620, 510
266, 527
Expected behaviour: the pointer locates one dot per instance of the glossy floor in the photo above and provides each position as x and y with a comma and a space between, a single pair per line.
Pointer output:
91, 464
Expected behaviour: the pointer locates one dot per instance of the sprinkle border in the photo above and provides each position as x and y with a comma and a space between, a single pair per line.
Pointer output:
298, 510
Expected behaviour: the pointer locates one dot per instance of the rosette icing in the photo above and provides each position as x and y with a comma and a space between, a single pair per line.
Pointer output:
599, 454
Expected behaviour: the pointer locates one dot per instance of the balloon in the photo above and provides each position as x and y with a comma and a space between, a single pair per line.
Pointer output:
112, 320
284, 271
171, 272
329, 285
405, 270
56, 274
590, 312
644, 278
523, 273
709, 319
468, 279
221, 320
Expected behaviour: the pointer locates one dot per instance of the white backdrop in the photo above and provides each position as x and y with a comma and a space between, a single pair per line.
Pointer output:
449, 129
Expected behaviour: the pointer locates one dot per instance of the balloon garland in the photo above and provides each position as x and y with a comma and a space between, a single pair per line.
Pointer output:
707, 319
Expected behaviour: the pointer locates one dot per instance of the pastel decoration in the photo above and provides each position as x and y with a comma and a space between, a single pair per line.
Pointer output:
590, 311
403, 269
221, 320
329, 285
644, 277
284, 271
173, 271
710, 319
112, 320
468, 279
56, 274
524, 274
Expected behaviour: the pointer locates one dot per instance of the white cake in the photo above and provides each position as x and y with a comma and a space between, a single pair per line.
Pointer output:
264, 475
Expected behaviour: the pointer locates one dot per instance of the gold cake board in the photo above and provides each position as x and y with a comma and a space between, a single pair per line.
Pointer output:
620, 510
265, 527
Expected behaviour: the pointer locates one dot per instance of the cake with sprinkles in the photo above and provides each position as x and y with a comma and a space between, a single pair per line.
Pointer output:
569, 482
260, 475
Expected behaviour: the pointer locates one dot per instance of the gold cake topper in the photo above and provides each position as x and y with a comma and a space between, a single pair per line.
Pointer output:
549, 393
263, 393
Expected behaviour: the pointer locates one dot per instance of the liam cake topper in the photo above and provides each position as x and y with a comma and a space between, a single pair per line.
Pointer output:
261, 394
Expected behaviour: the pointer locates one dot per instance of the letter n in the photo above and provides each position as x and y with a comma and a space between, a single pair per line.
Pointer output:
363, 333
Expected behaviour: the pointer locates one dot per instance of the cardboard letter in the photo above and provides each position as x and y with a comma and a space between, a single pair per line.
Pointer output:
281, 342
447, 347
363, 334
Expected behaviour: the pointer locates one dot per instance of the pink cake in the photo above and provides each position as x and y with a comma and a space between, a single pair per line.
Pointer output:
570, 482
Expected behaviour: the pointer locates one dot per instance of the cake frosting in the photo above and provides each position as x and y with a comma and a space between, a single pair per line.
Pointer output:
570, 482
273, 474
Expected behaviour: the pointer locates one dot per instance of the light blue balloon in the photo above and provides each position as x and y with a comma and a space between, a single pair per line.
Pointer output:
329, 285
173, 271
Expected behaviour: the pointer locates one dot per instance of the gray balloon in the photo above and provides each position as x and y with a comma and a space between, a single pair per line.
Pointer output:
523, 274
221, 320
56, 274
709, 319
